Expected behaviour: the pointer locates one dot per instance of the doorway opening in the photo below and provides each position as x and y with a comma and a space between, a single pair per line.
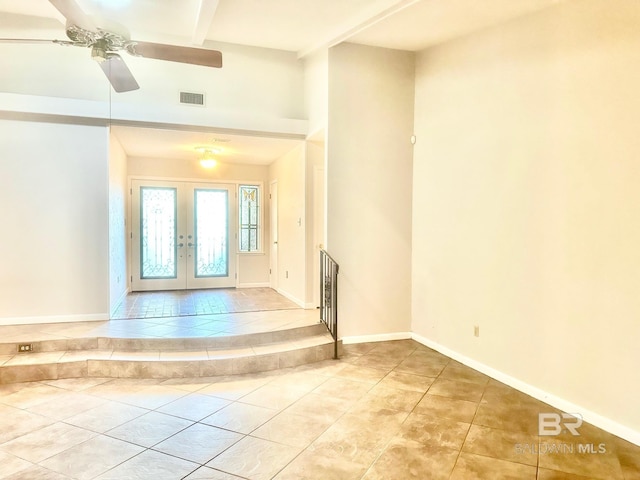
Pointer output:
183, 251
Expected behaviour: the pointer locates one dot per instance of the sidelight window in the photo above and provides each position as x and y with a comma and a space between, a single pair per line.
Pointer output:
249, 221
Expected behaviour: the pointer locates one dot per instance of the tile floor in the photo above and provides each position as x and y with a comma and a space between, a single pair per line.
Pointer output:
215, 325
390, 410
200, 302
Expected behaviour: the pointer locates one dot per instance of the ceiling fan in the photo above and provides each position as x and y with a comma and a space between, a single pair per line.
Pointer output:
105, 42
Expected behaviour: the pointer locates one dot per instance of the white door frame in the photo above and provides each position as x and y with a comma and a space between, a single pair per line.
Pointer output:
273, 230
185, 278
318, 229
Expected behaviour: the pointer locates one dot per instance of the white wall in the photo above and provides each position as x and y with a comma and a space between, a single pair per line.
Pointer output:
289, 172
314, 206
256, 90
253, 268
54, 206
316, 90
259, 81
526, 199
369, 186
191, 169
118, 188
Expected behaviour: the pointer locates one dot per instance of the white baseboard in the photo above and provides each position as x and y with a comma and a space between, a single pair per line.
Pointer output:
254, 285
298, 302
593, 418
380, 337
94, 317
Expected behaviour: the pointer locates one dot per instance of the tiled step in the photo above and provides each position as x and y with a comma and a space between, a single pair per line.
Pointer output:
166, 357
147, 343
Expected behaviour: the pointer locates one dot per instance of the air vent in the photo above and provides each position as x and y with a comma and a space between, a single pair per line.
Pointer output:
191, 98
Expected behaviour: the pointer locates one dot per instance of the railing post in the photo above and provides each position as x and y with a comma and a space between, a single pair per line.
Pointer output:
329, 296
321, 285
334, 298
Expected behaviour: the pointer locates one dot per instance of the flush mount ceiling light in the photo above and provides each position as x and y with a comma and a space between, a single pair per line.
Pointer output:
208, 160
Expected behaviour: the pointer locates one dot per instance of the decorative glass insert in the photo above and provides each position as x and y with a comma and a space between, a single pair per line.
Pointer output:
158, 232
249, 224
211, 233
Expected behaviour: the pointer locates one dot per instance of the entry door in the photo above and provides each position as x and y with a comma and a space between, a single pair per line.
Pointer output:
182, 235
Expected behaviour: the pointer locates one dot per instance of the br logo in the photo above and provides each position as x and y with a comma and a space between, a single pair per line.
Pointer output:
550, 424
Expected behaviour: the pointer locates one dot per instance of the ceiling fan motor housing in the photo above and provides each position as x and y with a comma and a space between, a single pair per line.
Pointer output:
99, 50
111, 39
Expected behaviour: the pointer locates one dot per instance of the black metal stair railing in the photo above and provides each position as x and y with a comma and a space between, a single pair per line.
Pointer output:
329, 296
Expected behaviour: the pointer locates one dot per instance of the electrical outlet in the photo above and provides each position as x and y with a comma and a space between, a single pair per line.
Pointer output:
25, 347
476, 330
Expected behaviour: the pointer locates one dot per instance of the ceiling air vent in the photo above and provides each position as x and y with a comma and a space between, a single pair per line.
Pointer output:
191, 98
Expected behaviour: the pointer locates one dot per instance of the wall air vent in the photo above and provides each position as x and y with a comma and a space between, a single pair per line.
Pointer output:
190, 98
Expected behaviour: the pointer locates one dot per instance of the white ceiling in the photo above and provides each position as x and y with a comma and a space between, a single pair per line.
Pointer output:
430, 22
173, 144
300, 26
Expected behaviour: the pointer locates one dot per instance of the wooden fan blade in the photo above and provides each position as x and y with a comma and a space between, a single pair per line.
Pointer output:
119, 74
172, 53
74, 14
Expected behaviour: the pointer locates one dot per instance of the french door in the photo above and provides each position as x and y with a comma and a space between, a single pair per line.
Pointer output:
182, 235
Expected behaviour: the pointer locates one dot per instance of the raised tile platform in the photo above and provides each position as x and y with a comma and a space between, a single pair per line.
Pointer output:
263, 342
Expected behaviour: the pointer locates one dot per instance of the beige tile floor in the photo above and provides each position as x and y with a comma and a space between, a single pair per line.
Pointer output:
215, 325
200, 302
389, 410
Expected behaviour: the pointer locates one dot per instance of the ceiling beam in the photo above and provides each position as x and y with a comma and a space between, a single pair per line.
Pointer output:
206, 12
366, 19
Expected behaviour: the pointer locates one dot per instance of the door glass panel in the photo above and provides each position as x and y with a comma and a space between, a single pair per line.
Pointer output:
211, 233
158, 232
248, 200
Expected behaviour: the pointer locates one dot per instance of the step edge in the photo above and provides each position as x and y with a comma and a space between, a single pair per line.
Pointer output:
102, 342
165, 368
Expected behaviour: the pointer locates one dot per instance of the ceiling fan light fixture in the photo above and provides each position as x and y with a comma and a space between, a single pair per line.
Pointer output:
208, 160
105, 38
99, 51
208, 163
